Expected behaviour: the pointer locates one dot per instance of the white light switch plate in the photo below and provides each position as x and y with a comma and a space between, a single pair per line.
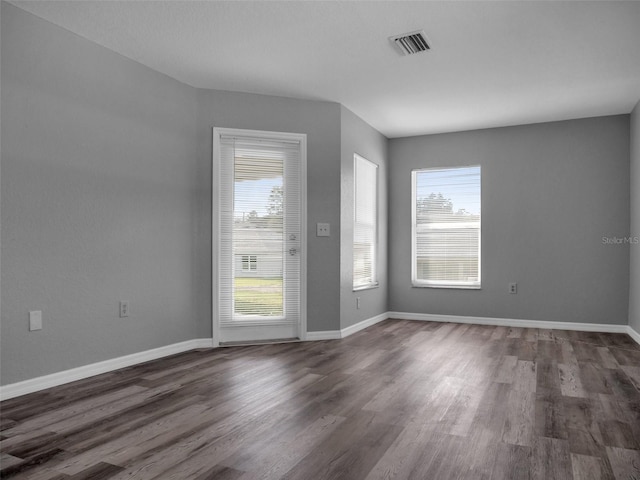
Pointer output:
323, 230
35, 320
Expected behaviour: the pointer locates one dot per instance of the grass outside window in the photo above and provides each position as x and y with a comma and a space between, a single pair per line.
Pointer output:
258, 296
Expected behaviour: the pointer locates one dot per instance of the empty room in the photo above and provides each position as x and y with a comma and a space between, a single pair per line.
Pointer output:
320, 240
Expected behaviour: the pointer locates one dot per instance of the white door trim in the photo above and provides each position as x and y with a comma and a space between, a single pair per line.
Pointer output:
215, 221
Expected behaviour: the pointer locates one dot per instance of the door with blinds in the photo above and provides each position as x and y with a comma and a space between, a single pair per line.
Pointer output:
260, 235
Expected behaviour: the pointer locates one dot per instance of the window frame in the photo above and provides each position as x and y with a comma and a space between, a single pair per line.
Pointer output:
373, 282
449, 284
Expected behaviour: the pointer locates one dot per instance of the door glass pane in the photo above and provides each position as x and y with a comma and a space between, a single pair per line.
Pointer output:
258, 241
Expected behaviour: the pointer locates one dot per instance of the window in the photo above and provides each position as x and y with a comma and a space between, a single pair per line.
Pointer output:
445, 246
365, 229
249, 263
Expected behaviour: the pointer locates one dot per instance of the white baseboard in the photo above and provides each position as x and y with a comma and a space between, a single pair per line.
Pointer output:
500, 322
510, 322
323, 335
345, 332
633, 334
53, 380
350, 330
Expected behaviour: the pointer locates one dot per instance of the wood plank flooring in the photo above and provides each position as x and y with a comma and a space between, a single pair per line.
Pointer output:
399, 400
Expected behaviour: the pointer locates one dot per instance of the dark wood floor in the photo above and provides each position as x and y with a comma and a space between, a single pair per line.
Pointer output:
401, 399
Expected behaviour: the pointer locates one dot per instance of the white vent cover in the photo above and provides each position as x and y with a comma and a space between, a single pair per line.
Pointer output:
410, 43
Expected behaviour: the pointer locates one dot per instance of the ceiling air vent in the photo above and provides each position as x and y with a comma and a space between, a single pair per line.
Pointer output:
410, 43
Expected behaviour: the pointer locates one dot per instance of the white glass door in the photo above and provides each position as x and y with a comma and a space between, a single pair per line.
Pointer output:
260, 237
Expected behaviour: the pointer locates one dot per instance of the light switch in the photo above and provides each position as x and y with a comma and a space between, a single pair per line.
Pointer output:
322, 230
35, 320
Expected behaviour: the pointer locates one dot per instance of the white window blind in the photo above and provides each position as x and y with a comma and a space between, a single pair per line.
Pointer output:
446, 227
260, 215
365, 229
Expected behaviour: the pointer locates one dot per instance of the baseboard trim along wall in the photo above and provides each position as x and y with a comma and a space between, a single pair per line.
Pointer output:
324, 335
499, 322
510, 322
350, 330
633, 334
67, 376
345, 332
53, 380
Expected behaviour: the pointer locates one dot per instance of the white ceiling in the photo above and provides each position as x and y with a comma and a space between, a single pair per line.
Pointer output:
491, 63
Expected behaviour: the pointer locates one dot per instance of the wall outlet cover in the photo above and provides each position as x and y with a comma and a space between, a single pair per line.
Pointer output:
35, 320
124, 309
323, 230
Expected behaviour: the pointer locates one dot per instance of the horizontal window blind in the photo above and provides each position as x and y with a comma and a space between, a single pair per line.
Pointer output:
365, 229
446, 227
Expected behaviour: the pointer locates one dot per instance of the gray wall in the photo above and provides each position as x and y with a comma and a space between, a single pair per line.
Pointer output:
99, 164
321, 122
634, 286
550, 192
359, 137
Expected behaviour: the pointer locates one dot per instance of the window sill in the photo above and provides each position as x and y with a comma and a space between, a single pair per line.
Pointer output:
450, 287
366, 287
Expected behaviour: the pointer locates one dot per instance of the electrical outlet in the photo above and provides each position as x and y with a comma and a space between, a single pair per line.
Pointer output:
358, 303
124, 309
513, 288
323, 230
35, 320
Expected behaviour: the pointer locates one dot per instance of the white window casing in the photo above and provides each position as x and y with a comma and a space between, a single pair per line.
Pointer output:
446, 227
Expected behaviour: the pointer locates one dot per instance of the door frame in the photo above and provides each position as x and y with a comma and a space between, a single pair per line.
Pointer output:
215, 221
